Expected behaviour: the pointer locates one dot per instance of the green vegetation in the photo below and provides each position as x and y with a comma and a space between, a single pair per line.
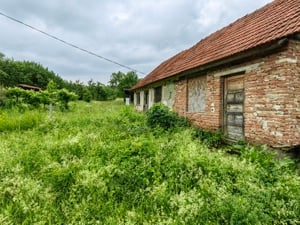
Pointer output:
121, 81
100, 163
160, 116
24, 99
13, 73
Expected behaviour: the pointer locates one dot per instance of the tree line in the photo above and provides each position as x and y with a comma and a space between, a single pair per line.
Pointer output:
13, 73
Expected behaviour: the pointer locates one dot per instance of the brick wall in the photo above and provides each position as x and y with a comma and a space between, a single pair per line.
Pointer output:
272, 109
272, 98
211, 117
180, 102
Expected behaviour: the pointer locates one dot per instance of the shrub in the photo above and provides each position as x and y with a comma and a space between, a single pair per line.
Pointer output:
19, 97
161, 116
2, 96
64, 97
211, 138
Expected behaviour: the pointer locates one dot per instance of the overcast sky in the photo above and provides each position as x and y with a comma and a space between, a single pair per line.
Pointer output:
137, 33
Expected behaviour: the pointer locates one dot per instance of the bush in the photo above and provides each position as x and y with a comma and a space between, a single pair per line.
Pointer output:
64, 97
2, 96
19, 98
211, 138
161, 116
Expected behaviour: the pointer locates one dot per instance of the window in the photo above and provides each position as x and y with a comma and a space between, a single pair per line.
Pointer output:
157, 94
196, 94
146, 100
138, 98
168, 94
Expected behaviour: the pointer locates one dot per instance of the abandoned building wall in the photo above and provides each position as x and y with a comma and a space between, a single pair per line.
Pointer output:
139, 100
180, 105
272, 112
196, 94
168, 94
207, 113
151, 97
271, 101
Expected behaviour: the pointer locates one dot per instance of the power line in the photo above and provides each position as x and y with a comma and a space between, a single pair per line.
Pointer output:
70, 44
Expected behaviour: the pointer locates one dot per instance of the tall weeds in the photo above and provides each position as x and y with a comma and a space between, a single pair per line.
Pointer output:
101, 164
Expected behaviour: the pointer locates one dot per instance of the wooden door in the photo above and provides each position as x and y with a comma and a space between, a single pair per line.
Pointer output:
234, 107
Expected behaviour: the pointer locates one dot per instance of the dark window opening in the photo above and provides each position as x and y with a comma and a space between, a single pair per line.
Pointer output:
157, 94
146, 102
138, 98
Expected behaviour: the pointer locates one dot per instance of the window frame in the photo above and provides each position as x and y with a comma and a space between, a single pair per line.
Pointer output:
157, 94
198, 95
138, 98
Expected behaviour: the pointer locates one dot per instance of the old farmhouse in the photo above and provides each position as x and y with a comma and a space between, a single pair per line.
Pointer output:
243, 79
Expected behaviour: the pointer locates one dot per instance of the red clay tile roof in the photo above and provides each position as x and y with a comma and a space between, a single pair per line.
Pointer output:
277, 19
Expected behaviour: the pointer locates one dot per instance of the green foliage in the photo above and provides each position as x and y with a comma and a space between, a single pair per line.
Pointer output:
98, 91
14, 72
160, 115
64, 97
51, 86
121, 81
87, 96
11, 120
101, 164
17, 97
3, 77
2, 96
211, 138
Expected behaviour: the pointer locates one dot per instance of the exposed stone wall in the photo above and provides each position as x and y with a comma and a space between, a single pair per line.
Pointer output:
272, 98
180, 102
272, 104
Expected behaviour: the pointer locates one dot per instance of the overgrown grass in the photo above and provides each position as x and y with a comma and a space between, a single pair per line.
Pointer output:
11, 120
101, 164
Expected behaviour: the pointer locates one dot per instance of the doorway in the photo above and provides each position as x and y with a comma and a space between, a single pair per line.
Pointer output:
233, 116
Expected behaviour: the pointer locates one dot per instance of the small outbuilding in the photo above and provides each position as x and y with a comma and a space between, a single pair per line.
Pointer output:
29, 87
243, 79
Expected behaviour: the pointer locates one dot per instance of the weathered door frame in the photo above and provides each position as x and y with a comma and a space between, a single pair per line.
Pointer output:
233, 107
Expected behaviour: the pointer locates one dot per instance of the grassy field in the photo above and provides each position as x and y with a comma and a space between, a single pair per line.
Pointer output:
100, 163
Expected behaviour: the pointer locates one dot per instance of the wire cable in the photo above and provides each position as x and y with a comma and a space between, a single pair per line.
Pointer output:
70, 44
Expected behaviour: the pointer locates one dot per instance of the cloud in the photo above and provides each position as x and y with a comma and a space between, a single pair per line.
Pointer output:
139, 34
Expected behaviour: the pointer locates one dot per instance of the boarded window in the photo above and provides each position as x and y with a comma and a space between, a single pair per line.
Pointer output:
168, 97
196, 94
138, 98
157, 94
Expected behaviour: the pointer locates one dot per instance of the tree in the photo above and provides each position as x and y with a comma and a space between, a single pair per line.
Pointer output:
98, 91
64, 97
25, 72
3, 78
122, 81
